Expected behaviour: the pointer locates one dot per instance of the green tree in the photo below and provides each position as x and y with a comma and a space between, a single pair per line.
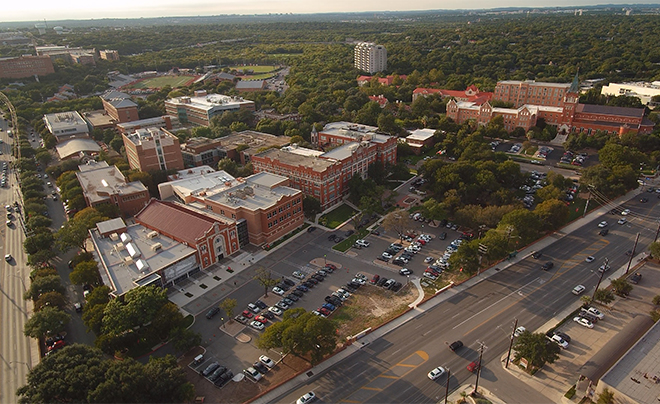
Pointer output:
655, 249
265, 279
49, 320
302, 334
228, 306
229, 166
549, 192
552, 213
433, 210
41, 257
50, 299
138, 308
85, 273
398, 222
621, 287
604, 296
43, 284
311, 206
40, 241
73, 235
184, 339
536, 349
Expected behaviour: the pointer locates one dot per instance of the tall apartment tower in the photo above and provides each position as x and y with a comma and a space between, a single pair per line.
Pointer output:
370, 58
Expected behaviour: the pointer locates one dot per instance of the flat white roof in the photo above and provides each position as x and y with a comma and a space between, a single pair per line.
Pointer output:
120, 272
303, 151
210, 101
421, 134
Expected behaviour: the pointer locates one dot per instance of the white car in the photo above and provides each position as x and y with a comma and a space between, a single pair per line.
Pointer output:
298, 274
428, 259
590, 258
602, 224
275, 310
578, 289
257, 325
437, 372
603, 268
278, 291
362, 243
625, 212
361, 276
8, 257
387, 255
307, 398
622, 221
267, 361
595, 312
519, 331
253, 308
560, 341
360, 281
425, 237
583, 322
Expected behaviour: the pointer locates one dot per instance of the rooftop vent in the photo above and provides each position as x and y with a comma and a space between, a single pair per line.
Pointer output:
152, 234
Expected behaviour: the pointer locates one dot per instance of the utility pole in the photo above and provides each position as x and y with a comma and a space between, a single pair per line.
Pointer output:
657, 232
476, 384
600, 279
508, 355
447, 385
586, 205
632, 254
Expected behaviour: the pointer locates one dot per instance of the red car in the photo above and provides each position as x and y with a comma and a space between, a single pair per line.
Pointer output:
324, 311
57, 345
247, 314
473, 366
375, 279
333, 267
261, 319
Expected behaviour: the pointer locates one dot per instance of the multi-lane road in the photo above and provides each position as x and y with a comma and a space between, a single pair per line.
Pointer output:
15, 348
394, 368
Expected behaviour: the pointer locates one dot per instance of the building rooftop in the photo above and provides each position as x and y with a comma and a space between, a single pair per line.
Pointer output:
209, 101
254, 140
127, 127
99, 181
120, 268
421, 134
98, 118
342, 152
535, 83
195, 182
61, 120
68, 148
296, 160
176, 219
637, 373
250, 85
303, 151
258, 191
115, 95
604, 109
148, 134
193, 172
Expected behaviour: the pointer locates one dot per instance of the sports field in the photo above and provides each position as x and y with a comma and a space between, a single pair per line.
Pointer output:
162, 81
255, 69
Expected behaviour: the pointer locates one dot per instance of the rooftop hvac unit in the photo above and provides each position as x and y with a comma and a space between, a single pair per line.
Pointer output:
152, 234
114, 237
119, 247
128, 260
156, 247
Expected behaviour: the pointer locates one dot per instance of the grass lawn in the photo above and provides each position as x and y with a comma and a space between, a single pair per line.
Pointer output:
401, 176
162, 81
576, 208
348, 243
337, 216
256, 69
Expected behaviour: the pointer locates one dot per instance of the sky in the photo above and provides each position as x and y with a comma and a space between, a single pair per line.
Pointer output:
33, 10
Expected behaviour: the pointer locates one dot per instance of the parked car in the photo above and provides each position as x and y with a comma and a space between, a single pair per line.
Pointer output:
560, 341
278, 291
298, 274
241, 319
267, 361
375, 279
275, 310
253, 308
583, 322
362, 243
635, 278
261, 304
210, 369
252, 373
405, 271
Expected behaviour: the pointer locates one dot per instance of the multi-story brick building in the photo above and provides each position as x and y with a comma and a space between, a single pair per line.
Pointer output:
25, 66
370, 58
120, 106
153, 149
325, 175
557, 103
201, 108
111, 55
264, 207
102, 184
240, 147
212, 236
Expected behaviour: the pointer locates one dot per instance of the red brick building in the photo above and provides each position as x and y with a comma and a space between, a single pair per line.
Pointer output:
120, 106
263, 205
212, 237
384, 81
153, 149
471, 94
103, 184
25, 66
557, 103
351, 149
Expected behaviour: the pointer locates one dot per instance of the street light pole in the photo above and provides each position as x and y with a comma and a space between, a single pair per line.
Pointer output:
447, 385
600, 279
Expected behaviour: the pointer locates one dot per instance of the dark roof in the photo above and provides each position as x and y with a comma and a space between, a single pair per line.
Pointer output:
607, 110
250, 84
614, 349
172, 219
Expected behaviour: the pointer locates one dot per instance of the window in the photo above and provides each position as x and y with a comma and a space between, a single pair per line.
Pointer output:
203, 248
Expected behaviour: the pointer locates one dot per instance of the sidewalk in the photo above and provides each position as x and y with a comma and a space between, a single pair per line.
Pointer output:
273, 395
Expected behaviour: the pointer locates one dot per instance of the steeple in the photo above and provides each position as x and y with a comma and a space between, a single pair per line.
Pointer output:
575, 85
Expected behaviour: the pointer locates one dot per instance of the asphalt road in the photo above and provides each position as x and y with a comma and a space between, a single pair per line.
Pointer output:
394, 368
15, 348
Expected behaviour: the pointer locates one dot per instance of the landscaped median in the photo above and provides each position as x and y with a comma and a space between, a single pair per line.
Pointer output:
348, 243
337, 216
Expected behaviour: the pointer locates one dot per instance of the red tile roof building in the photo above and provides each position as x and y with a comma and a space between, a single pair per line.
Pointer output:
385, 81
557, 103
213, 238
471, 94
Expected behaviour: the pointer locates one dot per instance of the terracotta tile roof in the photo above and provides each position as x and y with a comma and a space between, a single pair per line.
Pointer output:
176, 220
